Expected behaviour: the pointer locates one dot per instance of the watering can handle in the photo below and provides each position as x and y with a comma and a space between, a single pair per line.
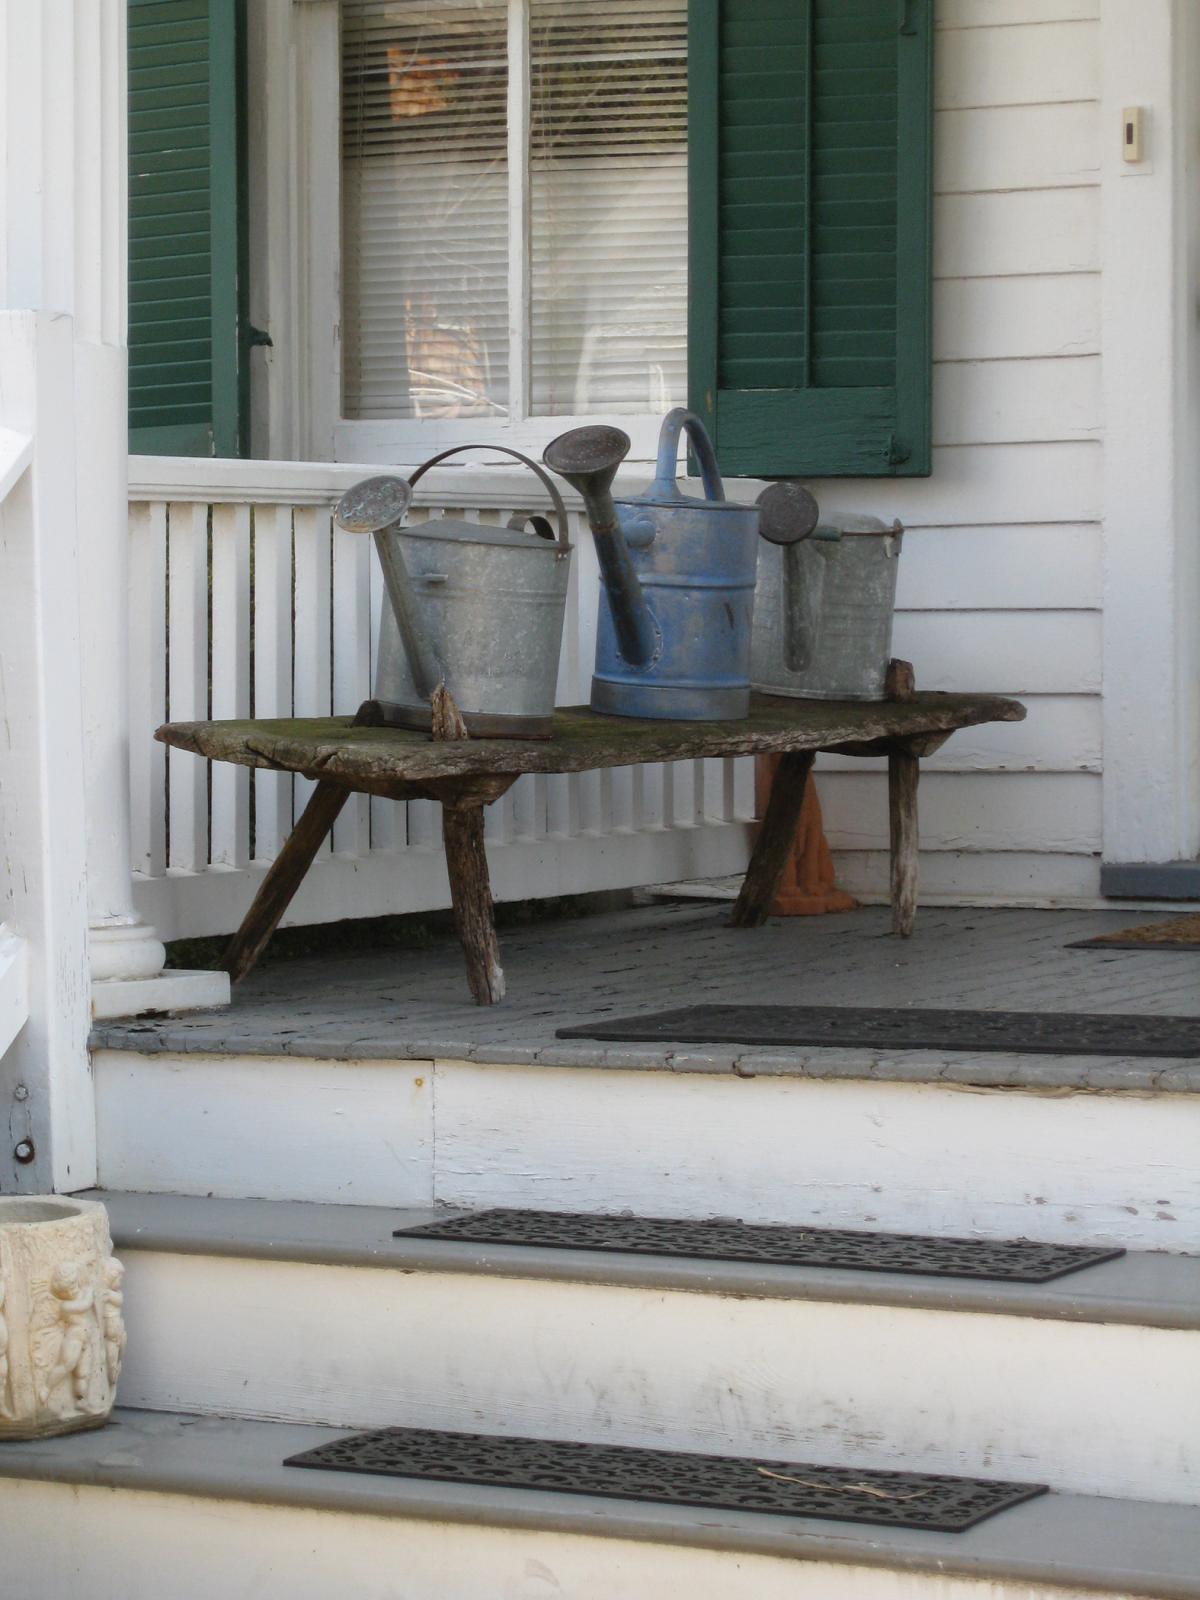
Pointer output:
560, 510
668, 455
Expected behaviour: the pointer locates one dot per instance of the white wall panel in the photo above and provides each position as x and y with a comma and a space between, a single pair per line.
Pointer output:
1016, 231
1013, 65
1014, 401
1016, 147
991, 318
1037, 566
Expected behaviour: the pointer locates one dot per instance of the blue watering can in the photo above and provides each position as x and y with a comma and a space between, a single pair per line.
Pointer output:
678, 575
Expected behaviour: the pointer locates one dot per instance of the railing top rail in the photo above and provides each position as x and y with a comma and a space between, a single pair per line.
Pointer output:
319, 483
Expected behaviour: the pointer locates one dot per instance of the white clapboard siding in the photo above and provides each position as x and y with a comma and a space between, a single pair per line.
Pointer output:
995, 13
1030, 567
1029, 65
1021, 231
1016, 147
1061, 734
1016, 401
1010, 652
980, 485
984, 319
971, 811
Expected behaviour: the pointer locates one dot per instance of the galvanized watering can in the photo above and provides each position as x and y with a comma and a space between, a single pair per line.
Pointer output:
826, 597
677, 596
478, 608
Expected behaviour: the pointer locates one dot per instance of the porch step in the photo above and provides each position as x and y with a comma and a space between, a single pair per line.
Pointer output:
1073, 1150
160, 1503
317, 1314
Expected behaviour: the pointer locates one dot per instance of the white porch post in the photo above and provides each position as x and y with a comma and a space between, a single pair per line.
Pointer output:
1151, 58
68, 245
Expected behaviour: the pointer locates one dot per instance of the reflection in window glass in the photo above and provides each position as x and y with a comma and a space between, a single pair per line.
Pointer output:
425, 208
609, 179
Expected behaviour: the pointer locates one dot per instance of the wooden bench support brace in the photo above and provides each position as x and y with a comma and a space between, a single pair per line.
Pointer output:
775, 839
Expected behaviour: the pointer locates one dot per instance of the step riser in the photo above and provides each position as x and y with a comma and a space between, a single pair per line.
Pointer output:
1076, 1167
71, 1543
862, 1385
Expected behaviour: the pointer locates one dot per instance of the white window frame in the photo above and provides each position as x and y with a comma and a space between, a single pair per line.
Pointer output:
305, 152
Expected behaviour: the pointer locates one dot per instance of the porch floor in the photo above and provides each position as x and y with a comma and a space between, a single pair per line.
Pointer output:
414, 1004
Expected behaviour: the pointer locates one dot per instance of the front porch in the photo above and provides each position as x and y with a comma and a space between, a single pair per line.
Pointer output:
414, 1002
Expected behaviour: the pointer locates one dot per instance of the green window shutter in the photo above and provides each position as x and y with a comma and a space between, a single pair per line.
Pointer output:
809, 218
185, 282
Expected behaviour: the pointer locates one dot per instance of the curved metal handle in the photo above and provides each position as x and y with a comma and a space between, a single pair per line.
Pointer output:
666, 469
560, 510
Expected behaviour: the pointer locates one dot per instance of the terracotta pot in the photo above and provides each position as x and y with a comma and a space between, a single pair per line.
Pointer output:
61, 1329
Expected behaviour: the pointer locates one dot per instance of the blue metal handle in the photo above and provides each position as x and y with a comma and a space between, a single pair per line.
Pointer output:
664, 485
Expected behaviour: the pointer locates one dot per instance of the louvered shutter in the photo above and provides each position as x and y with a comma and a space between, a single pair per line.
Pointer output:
184, 228
809, 249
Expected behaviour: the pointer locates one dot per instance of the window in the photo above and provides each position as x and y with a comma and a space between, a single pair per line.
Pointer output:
514, 208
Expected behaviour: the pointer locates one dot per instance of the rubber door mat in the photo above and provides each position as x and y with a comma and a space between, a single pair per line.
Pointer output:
621, 1472
1021, 1032
1003, 1260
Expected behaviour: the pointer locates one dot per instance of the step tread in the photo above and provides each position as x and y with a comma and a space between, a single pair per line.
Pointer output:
1142, 1288
1107, 1546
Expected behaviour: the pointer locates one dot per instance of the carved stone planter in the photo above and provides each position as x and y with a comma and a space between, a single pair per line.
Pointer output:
61, 1329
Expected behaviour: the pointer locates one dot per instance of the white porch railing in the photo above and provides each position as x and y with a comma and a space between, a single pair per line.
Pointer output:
245, 600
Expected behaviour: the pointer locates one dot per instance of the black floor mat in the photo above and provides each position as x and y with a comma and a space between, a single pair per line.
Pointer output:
1004, 1260
1023, 1032
780, 1488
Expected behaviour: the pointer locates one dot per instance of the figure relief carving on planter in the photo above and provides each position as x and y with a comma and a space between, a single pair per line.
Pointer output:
62, 1330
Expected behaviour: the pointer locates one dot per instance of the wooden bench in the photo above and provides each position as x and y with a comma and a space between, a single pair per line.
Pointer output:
348, 755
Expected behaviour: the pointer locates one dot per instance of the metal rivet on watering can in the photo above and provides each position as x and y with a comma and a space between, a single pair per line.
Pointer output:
677, 598
475, 607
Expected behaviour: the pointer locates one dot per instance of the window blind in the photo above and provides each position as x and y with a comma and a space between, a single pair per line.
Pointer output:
608, 162
425, 208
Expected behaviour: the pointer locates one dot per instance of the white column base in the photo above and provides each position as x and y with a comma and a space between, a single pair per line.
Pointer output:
168, 991
126, 958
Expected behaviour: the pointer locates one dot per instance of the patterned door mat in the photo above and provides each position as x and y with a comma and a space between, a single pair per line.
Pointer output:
1001, 1260
1176, 933
902, 1028
669, 1477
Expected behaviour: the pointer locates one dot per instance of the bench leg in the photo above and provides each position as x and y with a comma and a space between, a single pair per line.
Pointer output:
903, 770
471, 896
284, 878
776, 837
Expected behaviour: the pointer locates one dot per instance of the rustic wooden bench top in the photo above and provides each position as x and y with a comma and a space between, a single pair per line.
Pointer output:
357, 755
364, 757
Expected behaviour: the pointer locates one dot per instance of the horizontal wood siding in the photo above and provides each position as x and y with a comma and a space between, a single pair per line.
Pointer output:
1000, 577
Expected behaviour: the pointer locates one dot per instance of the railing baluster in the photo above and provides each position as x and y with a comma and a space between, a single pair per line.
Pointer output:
351, 603
187, 664
230, 846
147, 685
272, 666
312, 665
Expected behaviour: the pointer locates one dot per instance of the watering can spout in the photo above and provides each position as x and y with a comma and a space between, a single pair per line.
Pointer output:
588, 459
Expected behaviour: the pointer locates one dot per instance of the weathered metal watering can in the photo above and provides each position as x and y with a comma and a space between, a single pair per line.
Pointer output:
677, 596
826, 598
478, 608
